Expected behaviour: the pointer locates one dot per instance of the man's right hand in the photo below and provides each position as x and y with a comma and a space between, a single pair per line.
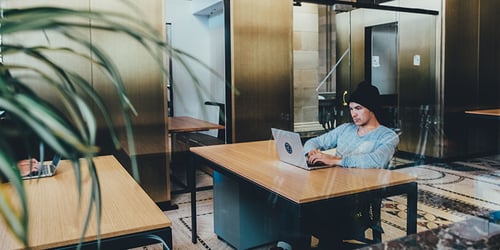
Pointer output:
315, 156
28, 166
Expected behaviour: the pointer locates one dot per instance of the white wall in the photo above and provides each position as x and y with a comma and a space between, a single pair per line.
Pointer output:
202, 36
217, 57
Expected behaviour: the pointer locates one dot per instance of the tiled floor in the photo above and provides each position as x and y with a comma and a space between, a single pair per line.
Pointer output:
448, 192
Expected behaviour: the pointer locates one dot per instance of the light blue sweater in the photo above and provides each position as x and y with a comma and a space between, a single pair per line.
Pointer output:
373, 150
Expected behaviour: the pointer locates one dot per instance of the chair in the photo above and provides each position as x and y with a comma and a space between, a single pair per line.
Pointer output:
347, 229
390, 119
369, 216
327, 113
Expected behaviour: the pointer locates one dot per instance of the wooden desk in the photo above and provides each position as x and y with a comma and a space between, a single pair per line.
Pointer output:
296, 190
184, 124
482, 132
493, 113
56, 217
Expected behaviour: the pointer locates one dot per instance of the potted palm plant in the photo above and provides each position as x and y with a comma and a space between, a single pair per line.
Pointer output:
71, 133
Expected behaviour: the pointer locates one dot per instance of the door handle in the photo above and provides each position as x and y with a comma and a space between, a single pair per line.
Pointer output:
344, 102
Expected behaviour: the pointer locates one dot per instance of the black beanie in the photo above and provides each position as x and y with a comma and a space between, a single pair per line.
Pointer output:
368, 96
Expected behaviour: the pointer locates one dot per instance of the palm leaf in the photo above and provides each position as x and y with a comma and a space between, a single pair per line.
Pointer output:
17, 221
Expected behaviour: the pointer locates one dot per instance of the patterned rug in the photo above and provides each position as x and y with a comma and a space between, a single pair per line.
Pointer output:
448, 192
181, 223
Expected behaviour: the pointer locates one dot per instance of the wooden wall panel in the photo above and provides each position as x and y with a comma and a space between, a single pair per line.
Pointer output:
489, 54
471, 76
140, 72
461, 54
261, 41
145, 86
141, 75
52, 39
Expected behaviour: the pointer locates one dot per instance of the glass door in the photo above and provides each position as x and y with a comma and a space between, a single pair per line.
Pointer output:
391, 44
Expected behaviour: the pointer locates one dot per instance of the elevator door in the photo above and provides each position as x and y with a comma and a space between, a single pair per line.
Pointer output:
382, 50
381, 65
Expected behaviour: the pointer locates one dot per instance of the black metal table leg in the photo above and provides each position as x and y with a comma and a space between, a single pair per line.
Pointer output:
411, 203
192, 188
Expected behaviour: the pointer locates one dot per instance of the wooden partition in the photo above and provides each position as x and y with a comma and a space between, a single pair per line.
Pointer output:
145, 85
261, 67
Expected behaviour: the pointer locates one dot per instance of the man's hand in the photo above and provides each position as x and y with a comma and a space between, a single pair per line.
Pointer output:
315, 156
28, 166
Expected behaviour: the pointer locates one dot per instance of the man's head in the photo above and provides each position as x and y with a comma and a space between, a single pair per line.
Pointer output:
364, 103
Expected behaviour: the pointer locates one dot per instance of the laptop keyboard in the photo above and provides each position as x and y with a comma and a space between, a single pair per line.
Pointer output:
315, 164
43, 170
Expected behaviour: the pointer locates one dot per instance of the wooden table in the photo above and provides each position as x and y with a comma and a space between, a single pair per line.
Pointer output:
482, 131
295, 190
56, 217
488, 113
185, 124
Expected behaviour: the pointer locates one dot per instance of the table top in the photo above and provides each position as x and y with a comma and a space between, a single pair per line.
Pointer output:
487, 112
259, 163
181, 124
56, 217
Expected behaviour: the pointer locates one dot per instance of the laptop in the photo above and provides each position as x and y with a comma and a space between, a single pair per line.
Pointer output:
45, 170
290, 149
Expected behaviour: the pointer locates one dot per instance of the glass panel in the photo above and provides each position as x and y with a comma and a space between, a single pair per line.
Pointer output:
395, 50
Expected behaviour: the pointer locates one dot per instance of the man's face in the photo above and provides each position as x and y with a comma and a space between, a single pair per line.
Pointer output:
360, 115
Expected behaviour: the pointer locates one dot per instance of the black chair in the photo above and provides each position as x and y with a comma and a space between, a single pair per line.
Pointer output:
369, 218
327, 113
348, 226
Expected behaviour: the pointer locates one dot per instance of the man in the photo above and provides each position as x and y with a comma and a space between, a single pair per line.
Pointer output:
364, 143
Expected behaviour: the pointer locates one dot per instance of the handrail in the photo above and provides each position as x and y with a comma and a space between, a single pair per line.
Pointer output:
333, 69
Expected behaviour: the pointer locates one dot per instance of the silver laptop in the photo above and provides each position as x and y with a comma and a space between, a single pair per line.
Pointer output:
290, 149
45, 170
